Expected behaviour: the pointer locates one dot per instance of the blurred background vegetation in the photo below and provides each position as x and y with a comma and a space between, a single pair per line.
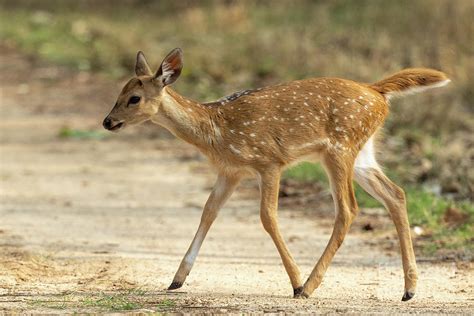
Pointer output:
233, 45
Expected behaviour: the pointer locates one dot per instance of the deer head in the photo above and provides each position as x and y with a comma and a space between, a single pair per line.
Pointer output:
140, 98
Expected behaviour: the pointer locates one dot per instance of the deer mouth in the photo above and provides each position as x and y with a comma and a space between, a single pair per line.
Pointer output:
116, 127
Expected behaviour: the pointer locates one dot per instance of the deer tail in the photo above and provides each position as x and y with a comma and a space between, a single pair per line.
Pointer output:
410, 81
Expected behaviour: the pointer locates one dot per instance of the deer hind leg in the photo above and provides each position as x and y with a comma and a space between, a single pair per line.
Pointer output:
269, 186
340, 175
371, 178
223, 189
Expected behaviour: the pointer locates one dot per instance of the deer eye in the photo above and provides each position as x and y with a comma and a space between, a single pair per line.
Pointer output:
134, 100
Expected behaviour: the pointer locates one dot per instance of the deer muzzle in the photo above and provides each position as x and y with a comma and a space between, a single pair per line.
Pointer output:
111, 124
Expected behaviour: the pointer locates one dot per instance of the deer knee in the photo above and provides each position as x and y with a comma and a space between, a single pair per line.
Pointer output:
397, 195
268, 221
345, 216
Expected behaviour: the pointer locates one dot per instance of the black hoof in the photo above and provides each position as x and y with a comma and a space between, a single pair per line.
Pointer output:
175, 285
407, 296
297, 291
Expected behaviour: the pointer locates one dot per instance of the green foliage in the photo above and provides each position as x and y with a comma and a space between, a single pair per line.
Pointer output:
306, 171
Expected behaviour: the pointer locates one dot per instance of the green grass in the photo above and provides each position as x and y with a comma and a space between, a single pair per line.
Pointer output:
165, 304
314, 172
424, 209
59, 303
112, 302
129, 300
72, 133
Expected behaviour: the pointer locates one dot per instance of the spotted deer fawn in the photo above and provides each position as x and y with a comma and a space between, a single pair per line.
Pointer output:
262, 131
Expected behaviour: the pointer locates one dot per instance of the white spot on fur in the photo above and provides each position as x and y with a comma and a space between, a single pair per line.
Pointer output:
234, 150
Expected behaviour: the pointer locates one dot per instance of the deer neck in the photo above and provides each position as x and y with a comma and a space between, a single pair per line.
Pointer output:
186, 119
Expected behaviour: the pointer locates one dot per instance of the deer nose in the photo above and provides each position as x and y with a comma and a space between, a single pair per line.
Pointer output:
107, 123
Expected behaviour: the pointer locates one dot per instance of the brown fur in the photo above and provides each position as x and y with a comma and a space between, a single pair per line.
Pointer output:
263, 131
409, 78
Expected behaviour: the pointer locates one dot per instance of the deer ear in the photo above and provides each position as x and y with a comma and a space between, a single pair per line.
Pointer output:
141, 66
170, 68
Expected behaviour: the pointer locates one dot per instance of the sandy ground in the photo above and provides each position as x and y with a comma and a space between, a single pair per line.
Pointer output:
84, 218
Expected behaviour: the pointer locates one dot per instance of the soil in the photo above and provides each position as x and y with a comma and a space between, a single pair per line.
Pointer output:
84, 218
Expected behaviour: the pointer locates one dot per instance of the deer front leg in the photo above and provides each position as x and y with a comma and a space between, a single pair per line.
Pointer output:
269, 185
340, 175
223, 189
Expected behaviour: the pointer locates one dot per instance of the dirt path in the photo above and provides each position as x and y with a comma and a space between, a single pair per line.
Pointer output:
98, 225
